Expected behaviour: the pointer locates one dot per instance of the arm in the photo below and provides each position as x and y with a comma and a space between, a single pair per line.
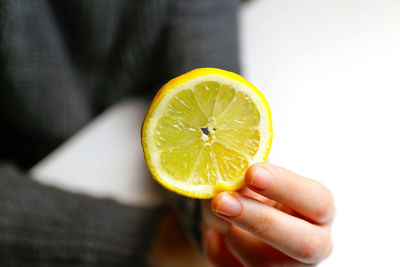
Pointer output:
42, 225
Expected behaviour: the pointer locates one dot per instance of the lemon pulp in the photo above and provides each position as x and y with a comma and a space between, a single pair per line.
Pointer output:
208, 133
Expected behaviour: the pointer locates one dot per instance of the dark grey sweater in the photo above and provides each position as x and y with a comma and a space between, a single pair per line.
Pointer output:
61, 64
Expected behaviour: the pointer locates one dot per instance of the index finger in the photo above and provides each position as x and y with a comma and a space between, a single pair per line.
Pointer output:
306, 196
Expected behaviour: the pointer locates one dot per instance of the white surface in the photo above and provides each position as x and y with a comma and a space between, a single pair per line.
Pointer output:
331, 73
104, 159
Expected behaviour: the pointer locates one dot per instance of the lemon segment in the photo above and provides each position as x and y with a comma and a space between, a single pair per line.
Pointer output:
203, 130
185, 108
172, 132
205, 171
183, 158
244, 141
231, 163
241, 112
206, 93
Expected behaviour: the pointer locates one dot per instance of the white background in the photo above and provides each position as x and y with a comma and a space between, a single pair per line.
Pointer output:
330, 71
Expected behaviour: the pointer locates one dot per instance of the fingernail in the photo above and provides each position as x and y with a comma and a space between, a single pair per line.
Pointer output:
228, 206
262, 179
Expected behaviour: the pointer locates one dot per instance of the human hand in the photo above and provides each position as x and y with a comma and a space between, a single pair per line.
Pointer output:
278, 218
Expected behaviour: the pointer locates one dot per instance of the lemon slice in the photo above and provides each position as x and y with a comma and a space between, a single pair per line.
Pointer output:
203, 130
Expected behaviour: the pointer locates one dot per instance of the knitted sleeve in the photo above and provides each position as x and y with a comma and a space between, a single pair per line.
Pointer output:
202, 33
45, 226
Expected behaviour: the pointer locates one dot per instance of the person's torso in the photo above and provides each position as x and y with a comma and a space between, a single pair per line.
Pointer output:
64, 62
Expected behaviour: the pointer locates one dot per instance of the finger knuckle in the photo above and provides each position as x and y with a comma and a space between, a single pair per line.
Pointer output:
315, 247
310, 249
260, 224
